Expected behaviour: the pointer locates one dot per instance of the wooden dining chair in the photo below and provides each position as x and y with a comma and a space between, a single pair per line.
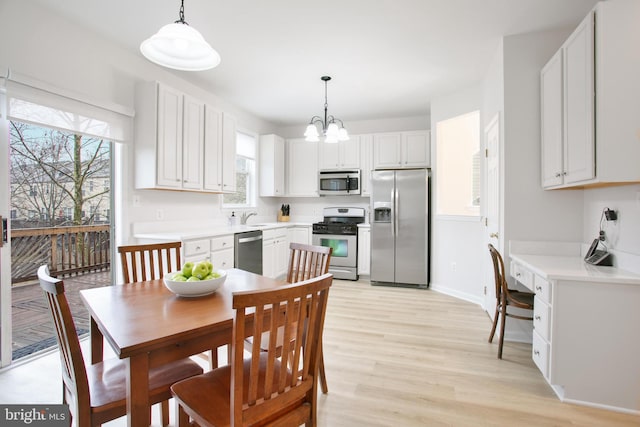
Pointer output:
149, 261
263, 389
97, 393
305, 262
152, 261
506, 297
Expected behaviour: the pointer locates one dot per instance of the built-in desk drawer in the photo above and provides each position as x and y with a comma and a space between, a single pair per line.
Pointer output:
522, 275
542, 289
540, 353
541, 317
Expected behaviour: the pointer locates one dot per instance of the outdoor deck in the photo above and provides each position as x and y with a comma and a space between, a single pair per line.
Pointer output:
32, 324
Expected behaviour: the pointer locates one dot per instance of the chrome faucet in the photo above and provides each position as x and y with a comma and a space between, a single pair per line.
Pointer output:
245, 216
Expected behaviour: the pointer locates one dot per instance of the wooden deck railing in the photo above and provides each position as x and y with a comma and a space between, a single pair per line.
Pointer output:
67, 250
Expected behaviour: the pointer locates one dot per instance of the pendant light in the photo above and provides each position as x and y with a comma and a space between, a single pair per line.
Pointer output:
180, 47
332, 133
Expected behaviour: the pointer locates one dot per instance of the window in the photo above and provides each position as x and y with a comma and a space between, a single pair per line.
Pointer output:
245, 195
458, 165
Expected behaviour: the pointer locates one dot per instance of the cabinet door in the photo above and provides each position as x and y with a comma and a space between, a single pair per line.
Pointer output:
271, 166
169, 148
268, 258
386, 150
192, 144
364, 251
579, 151
228, 153
302, 162
213, 149
551, 121
329, 156
300, 234
281, 249
416, 149
366, 162
350, 153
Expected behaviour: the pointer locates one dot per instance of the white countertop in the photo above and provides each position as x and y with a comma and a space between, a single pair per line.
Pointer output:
207, 232
573, 268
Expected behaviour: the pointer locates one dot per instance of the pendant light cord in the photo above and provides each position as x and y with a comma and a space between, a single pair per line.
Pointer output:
181, 15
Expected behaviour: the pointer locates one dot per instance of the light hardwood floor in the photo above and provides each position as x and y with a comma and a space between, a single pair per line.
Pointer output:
399, 357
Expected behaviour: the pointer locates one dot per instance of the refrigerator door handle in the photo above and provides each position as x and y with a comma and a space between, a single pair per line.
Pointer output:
393, 212
396, 222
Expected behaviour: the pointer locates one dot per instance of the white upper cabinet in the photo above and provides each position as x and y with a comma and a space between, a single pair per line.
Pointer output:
180, 142
192, 144
366, 162
302, 168
589, 119
394, 150
340, 156
229, 129
272, 161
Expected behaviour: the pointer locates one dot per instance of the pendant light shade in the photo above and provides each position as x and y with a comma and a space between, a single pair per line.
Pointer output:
180, 47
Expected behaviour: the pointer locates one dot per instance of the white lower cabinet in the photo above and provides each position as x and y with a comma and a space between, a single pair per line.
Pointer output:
364, 250
222, 252
275, 252
540, 354
196, 250
300, 234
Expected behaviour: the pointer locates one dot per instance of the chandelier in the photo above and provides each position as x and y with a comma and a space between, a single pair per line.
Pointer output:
180, 47
332, 133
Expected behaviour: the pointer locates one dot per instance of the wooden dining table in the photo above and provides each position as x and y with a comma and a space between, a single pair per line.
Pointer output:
147, 326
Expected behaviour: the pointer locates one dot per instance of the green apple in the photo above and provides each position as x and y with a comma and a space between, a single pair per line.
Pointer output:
200, 270
215, 275
179, 278
209, 265
193, 279
186, 269
209, 277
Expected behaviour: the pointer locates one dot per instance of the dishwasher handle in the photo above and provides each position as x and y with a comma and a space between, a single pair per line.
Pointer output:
249, 239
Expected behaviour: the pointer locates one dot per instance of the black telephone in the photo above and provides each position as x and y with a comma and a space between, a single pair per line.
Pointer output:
598, 256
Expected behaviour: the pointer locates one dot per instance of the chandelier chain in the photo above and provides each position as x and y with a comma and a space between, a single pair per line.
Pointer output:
181, 15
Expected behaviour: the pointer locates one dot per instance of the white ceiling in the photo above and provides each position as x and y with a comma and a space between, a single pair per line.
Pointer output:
388, 58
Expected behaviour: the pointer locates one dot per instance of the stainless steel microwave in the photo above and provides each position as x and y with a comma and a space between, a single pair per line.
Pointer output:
339, 182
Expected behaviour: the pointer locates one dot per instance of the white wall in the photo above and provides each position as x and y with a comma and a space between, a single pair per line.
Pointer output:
455, 242
40, 45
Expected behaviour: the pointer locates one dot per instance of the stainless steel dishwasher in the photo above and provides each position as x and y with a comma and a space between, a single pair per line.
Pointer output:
248, 251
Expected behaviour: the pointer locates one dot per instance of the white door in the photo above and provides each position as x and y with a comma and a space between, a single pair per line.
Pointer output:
492, 219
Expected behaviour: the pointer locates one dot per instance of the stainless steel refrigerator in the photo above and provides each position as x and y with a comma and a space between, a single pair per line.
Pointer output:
400, 227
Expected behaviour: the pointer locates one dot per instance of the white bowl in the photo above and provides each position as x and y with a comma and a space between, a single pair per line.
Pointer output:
194, 289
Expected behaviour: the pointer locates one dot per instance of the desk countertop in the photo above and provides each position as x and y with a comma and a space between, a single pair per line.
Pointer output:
574, 268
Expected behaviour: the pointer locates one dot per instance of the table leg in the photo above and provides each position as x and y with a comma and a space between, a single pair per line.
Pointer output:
138, 406
97, 343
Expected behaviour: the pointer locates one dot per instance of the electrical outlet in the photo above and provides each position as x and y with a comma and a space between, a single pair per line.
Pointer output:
453, 266
159, 214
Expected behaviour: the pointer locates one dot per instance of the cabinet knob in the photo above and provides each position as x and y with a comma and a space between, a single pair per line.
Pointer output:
536, 352
197, 248
518, 274
564, 173
558, 175
493, 235
539, 288
538, 318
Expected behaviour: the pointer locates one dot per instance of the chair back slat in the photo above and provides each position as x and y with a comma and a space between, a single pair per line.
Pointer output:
149, 261
307, 261
277, 379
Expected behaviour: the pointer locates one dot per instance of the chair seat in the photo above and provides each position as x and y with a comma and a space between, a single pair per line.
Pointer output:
208, 394
521, 297
108, 388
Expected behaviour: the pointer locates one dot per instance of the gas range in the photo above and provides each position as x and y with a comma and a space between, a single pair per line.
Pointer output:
339, 231
339, 221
